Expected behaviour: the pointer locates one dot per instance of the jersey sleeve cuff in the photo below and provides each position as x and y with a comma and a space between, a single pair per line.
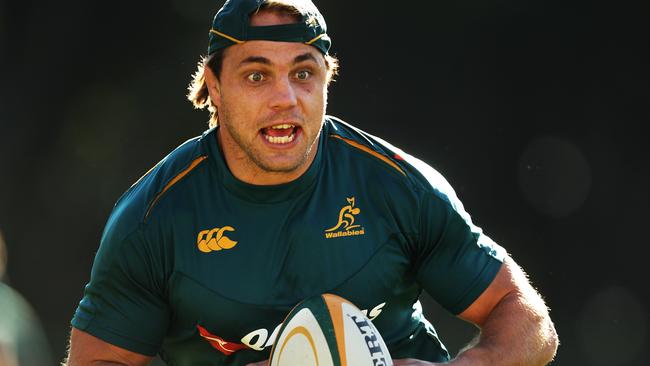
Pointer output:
483, 280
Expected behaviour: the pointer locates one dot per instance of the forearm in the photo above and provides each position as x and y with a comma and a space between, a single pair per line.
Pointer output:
88, 350
518, 331
97, 363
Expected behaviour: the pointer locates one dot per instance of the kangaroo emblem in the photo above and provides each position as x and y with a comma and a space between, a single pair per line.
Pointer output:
346, 217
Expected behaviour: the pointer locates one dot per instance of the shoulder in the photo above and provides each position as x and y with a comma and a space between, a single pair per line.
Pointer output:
140, 201
409, 170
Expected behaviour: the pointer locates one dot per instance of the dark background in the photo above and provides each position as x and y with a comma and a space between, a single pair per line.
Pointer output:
533, 110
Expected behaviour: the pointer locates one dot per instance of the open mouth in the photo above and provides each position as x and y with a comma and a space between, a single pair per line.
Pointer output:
280, 134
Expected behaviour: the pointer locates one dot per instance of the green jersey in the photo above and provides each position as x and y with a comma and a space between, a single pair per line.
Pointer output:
202, 268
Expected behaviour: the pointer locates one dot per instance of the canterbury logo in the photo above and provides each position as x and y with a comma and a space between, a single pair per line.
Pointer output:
213, 240
345, 226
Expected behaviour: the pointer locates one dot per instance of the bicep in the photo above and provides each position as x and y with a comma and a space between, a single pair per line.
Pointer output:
509, 279
86, 349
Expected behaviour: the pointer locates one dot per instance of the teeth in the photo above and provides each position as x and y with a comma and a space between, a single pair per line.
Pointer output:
282, 126
280, 139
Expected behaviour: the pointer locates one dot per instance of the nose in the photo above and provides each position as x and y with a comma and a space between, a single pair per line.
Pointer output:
284, 94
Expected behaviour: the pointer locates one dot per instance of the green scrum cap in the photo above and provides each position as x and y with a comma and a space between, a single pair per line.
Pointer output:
231, 25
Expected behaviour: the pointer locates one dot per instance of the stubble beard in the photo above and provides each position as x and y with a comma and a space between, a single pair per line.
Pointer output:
256, 156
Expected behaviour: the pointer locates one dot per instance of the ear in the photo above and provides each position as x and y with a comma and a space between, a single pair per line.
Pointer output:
214, 87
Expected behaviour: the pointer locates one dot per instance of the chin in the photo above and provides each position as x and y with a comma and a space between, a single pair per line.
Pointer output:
281, 164
281, 168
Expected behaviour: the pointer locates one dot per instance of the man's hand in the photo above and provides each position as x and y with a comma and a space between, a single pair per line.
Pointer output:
403, 362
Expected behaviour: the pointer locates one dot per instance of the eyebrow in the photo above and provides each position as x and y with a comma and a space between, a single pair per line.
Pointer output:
263, 60
304, 57
255, 60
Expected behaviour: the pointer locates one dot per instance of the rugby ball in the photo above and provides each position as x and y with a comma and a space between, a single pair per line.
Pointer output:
327, 330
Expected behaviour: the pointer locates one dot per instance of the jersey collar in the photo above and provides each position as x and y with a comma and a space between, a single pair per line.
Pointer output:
265, 193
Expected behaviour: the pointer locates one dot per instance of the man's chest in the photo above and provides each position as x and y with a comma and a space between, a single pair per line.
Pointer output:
239, 270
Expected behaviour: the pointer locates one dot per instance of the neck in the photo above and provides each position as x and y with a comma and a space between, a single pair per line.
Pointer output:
247, 171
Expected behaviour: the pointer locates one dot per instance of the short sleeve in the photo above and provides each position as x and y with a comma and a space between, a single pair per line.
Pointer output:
124, 302
456, 260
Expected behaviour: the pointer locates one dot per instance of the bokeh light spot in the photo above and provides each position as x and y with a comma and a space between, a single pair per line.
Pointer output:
554, 176
612, 327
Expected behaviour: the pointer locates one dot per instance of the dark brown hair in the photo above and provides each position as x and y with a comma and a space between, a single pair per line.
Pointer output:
198, 89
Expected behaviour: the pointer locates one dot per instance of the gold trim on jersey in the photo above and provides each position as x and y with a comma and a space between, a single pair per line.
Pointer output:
368, 150
175, 180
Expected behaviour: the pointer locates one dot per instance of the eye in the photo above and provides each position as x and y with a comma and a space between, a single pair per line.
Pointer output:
255, 77
303, 75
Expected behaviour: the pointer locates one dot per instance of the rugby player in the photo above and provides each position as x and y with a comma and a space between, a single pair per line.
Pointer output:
203, 257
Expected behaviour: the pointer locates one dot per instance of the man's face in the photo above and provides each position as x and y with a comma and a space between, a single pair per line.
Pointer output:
271, 99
